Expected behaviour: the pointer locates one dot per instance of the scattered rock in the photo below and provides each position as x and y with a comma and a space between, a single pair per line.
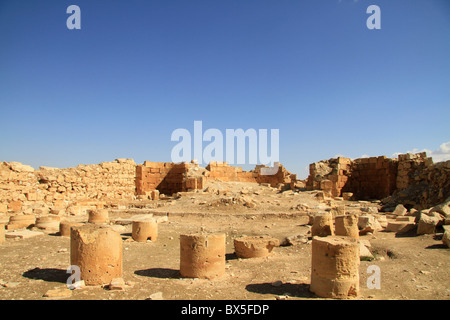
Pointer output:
400, 226
368, 223
364, 253
117, 284
23, 234
277, 283
58, 293
294, 240
427, 224
443, 208
156, 296
446, 238
400, 210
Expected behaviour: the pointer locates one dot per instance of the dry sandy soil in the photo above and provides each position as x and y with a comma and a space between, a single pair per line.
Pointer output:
412, 267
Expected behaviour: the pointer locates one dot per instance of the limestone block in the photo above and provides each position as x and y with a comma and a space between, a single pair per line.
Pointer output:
427, 224
443, 209
23, 234
145, 229
21, 221
347, 225
406, 218
446, 238
322, 225
15, 206
256, 246
48, 223
66, 226
155, 195
399, 226
369, 223
347, 195
400, 210
2, 233
202, 255
97, 251
335, 267
98, 216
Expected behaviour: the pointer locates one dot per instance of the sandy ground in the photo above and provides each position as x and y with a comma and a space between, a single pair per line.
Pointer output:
411, 267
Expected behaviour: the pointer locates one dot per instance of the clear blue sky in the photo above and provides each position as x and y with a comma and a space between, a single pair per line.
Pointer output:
138, 70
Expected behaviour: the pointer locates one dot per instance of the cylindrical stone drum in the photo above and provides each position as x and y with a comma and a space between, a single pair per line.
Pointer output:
144, 230
322, 225
347, 225
335, 267
202, 255
2, 233
65, 227
98, 216
49, 223
21, 221
252, 247
97, 251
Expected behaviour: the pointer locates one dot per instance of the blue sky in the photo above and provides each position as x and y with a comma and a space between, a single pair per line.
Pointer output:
138, 70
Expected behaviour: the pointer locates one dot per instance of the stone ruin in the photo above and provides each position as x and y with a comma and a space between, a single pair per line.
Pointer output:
170, 178
412, 180
407, 185
76, 190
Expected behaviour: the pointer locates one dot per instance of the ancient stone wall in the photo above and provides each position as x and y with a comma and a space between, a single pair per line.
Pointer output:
410, 167
168, 178
329, 175
224, 172
411, 179
422, 184
24, 189
372, 178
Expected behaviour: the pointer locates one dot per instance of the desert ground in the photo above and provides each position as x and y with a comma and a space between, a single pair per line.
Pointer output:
412, 267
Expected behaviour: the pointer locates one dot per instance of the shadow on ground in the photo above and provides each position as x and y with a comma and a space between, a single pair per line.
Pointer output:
162, 273
293, 290
47, 274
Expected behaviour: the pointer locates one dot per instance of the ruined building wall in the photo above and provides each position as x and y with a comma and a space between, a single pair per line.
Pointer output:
329, 175
410, 166
167, 177
224, 172
372, 178
411, 179
420, 182
24, 189
170, 178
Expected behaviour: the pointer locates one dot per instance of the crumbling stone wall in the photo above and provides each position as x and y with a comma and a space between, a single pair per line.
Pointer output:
427, 184
167, 177
170, 178
411, 179
281, 177
224, 172
410, 167
372, 178
329, 175
24, 189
